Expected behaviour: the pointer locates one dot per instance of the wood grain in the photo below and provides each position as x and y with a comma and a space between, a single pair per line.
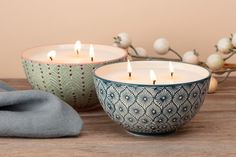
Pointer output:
211, 133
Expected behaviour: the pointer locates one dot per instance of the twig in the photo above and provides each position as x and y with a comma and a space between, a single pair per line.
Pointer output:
132, 47
175, 52
152, 58
229, 56
201, 63
224, 70
228, 71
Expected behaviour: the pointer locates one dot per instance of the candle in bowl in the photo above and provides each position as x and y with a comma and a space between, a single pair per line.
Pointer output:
67, 70
155, 98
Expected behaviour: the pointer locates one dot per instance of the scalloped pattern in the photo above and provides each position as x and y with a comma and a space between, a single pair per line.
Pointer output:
151, 109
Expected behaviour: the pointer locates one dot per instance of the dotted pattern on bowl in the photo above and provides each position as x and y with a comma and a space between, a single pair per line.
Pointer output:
71, 83
151, 109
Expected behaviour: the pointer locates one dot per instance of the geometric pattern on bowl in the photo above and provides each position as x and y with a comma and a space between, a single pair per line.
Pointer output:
150, 109
72, 83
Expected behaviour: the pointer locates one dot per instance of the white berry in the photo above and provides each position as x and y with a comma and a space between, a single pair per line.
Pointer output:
190, 57
161, 46
141, 51
123, 40
234, 39
224, 45
213, 85
215, 61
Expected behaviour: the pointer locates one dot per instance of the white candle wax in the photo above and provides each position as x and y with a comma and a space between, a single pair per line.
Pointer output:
183, 72
66, 54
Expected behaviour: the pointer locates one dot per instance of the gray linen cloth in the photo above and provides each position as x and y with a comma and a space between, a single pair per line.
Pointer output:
36, 114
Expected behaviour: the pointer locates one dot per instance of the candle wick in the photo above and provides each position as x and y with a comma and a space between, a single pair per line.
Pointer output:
51, 58
130, 75
154, 82
92, 59
77, 51
172, 74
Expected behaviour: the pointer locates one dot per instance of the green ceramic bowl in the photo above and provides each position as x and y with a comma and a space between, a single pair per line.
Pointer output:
68, 76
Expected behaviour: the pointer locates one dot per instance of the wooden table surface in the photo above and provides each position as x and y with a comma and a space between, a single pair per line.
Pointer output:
212, 132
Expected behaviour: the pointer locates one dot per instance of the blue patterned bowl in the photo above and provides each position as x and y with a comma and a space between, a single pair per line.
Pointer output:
147, 109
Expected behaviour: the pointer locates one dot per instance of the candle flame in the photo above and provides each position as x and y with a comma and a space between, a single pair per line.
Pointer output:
77, 47
52, 55
153, 76
129, 68
171, 69
91, 52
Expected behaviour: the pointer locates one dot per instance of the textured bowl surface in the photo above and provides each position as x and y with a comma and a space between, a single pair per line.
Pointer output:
73, 83
151, 109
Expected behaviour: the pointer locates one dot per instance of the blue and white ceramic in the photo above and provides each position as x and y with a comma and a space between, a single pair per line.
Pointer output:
148, 109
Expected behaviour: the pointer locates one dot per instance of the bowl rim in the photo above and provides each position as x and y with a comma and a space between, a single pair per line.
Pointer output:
156, 85
23, 55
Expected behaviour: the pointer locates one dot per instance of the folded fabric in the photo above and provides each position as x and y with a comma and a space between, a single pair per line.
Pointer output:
36, 114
